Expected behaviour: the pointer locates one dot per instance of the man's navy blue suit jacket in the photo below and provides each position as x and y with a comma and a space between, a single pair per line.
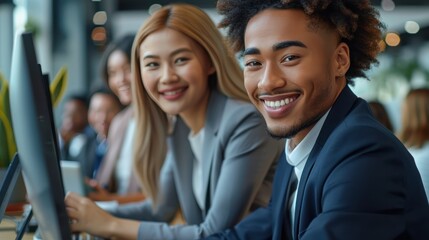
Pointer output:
359, 183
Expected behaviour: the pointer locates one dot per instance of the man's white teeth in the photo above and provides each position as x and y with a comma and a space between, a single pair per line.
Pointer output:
278, 103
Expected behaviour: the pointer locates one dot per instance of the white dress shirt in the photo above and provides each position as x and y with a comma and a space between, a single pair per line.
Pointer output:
197, 141
124, 166
298, 156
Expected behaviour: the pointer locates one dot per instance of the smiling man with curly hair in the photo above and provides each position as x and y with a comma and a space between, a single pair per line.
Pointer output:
343, 175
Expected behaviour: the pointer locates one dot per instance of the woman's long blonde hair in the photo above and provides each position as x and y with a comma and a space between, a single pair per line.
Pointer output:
151, 122
415, 118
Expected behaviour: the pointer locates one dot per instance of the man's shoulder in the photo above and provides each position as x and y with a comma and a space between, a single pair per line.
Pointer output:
361, 121
359, 129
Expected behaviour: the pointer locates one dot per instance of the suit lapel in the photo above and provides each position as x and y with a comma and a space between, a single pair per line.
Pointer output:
280, 208
184, 157
214, 114
338, 112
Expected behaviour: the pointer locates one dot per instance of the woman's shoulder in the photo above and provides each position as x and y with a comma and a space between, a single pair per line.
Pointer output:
123, 116
234, 106
121, 120
420, 153
225, 106
238, 112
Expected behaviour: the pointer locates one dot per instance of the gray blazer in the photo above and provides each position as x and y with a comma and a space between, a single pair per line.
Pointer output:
238, 169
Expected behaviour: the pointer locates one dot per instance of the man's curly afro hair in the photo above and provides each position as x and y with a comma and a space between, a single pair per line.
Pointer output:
356, 22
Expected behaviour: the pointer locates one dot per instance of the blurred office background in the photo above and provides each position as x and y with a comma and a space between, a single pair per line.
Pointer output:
74, 33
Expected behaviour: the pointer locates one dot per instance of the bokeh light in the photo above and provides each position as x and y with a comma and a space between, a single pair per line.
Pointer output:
387, 5
99, 35
153, 8
100, 18
382, 46
392, 39
412, 27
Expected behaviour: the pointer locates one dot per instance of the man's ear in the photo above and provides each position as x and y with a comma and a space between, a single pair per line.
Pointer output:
342, 59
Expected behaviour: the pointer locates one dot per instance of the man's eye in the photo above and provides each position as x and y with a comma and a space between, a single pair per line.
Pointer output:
289, 58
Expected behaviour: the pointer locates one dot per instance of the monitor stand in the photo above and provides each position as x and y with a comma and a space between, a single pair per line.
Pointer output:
21, 228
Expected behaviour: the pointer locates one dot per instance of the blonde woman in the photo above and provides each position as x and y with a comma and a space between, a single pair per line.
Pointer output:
414, 132
220, 160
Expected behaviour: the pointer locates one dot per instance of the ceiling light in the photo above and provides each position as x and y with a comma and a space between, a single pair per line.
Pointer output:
412, 27
99, 18
153, 8
387, 5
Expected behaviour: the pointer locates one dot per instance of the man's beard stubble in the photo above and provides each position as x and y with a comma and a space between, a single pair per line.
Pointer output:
290, 133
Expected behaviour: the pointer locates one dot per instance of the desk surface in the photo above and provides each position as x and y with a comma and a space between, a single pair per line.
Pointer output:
8, 226
7, 230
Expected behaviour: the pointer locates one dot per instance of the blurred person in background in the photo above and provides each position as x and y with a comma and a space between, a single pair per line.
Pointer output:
103, 107
115, 179
414, 131
380, 113
74, 126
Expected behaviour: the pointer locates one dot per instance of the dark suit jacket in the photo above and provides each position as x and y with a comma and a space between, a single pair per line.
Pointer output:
82, 149
86, 155
359, 182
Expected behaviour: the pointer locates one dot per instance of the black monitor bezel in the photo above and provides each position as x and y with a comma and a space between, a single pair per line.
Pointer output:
46, 132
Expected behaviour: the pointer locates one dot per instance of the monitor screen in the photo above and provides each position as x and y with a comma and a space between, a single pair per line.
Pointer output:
36, 140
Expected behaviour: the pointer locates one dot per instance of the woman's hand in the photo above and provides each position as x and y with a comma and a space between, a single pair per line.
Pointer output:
98, 193
86, 216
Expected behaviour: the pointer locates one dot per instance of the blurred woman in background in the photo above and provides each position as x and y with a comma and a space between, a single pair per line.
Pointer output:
380, 113
414, 132
115, 179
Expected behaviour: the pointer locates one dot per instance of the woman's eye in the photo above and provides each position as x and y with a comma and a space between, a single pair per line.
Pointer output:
111, 73
252, 64
151, 64
127, 69
181, 60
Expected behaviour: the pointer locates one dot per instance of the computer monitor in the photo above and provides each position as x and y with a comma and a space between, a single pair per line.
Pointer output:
35, 135
8, 184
